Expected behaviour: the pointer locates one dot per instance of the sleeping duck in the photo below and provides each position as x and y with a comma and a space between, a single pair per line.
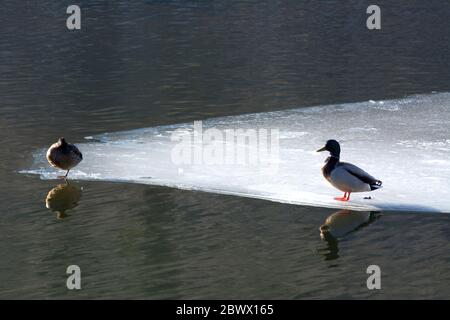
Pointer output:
64, 156
346, 176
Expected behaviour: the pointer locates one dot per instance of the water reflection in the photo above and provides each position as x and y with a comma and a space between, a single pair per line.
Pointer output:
340, 224
63, 197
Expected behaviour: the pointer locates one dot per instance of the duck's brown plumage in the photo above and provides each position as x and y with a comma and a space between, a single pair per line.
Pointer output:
64, 155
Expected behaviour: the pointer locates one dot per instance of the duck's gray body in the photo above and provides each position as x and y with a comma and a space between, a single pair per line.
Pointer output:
348, 177
63, 155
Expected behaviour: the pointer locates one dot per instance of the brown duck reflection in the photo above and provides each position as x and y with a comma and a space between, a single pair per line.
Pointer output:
340, 224
63, 197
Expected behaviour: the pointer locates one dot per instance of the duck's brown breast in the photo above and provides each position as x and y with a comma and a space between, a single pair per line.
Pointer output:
64, 157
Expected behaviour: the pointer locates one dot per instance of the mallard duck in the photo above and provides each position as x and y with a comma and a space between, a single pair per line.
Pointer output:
346, 176
64, 156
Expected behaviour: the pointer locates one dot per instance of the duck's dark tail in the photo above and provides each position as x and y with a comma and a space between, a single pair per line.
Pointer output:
376, 185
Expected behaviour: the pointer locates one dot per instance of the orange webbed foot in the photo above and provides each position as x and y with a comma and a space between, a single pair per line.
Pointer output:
346, 197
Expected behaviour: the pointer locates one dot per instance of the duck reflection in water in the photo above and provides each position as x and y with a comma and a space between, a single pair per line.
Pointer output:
340, 224
63, 197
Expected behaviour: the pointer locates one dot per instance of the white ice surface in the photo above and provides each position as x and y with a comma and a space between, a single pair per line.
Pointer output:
404, 142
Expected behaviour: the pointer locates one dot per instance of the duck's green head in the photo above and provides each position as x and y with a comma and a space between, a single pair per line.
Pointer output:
62, 141
333, 147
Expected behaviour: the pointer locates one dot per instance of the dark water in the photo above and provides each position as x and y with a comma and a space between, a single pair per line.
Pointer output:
140, 64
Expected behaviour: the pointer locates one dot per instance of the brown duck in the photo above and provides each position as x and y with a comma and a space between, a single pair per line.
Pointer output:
64, 156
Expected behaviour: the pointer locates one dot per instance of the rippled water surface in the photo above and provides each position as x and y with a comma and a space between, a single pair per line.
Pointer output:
164, 62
